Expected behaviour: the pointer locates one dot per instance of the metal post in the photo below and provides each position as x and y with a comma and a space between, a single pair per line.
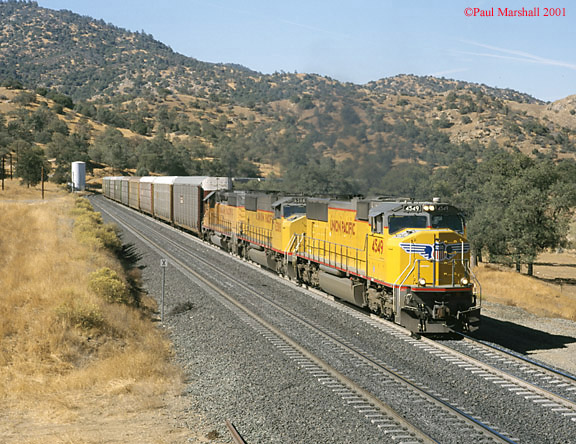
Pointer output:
163, 288
164, 265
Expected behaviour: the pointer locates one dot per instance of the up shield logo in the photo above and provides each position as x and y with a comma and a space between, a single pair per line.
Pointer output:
437, 252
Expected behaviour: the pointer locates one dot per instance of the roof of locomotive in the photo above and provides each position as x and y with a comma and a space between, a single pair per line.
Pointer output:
411, 207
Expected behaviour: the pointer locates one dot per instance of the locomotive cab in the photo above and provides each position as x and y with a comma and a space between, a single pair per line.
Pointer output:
419, 254
288, 224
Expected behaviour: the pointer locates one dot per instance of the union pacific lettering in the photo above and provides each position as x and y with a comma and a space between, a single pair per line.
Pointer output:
340, 226
264, 217
226, 211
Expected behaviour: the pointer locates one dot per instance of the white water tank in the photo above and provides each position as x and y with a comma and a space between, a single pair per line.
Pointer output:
78, 176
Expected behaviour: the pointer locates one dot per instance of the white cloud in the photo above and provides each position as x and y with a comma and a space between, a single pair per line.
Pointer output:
449, 72
520, 56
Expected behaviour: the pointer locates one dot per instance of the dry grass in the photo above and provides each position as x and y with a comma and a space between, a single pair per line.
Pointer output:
510, 288
14, 192
65, 348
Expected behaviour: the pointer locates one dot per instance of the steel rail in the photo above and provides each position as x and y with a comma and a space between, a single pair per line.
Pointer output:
235, 434
473, 422
504, 375
519, 356
488, 367
387, 410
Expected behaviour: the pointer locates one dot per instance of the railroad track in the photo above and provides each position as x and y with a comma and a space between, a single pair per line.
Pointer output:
365, 401
234, 433
558, 383
380, 413
549, 388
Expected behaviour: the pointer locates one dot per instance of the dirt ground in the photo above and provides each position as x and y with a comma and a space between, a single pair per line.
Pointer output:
559, 270
114, 420
547, 339
126, 419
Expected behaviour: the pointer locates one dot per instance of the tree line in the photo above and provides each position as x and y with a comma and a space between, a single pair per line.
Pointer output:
516, 205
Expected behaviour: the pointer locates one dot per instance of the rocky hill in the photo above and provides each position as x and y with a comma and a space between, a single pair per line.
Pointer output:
228, 119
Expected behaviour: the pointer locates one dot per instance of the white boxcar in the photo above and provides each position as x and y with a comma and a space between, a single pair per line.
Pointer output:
163, 197
146, 194
188, 202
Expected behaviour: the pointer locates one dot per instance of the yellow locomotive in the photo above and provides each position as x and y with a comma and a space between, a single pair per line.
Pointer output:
406, 261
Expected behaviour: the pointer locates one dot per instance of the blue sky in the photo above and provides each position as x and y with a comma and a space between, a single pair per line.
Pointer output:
363, 40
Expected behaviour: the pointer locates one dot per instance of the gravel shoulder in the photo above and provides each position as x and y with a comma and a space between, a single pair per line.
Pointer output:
188, 414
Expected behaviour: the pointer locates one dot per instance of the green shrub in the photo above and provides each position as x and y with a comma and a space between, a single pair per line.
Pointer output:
106, 284
90, 228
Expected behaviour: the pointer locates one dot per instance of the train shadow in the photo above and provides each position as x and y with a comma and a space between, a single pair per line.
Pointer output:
130, 257
518, 337
557, 281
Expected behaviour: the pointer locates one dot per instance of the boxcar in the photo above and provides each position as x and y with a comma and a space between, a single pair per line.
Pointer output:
188, 203
124, 184
163, 187
146, 194
134, 192
106, 183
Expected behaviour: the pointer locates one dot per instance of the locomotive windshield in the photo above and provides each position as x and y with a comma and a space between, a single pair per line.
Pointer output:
448, 221
289, 210
398, 223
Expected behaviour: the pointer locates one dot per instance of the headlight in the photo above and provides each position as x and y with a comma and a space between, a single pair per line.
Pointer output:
429, 207
464, 282
422, 282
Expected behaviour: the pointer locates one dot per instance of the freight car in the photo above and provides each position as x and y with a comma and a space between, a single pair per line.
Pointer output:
406, 261
177, 200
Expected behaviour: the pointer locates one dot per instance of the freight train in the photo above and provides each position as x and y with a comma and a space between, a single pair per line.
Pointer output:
403, 260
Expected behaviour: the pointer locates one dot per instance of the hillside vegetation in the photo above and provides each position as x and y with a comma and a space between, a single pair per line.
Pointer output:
80, 359
81, 89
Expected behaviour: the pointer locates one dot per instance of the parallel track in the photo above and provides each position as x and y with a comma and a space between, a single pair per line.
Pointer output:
513, 355
364, 400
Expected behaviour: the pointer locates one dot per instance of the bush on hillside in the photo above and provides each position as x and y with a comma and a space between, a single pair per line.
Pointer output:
107, 284
91, 229
80, 314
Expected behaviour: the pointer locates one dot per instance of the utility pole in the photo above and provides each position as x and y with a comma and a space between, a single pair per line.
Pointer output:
2, 172
42, 182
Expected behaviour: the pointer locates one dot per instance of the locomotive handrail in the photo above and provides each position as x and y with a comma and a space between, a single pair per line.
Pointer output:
476, 282
290, 243
320, 249
406, 277
396, 289
258, 235
403, 271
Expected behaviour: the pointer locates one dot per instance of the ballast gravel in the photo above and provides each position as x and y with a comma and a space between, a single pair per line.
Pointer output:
236, 374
